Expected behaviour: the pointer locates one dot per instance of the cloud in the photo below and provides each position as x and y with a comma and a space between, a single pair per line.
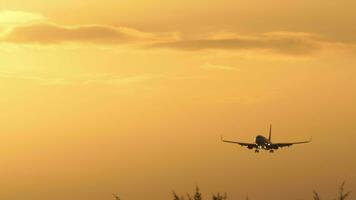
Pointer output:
280, 42
219, 67
10, 18
46, 33
287, 43
83, 79
119, 80
34, 78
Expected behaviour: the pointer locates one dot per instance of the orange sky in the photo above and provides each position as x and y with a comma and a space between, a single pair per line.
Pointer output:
132, 96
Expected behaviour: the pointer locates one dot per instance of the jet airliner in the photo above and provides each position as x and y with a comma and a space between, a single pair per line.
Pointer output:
264, 143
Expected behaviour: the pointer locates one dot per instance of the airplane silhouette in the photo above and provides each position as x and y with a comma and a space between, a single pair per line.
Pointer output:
264, 143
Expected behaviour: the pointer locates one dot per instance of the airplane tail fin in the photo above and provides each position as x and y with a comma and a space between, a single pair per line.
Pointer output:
270, 133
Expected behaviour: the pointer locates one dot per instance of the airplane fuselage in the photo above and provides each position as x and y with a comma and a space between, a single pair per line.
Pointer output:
263, 143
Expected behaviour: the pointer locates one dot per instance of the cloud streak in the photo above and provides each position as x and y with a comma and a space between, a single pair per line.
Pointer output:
280, 42
209, 66
46, 33
10, 18
84, 79
287, 43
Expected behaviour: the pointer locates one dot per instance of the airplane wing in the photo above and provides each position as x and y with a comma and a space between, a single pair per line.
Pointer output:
248, 145
290, 143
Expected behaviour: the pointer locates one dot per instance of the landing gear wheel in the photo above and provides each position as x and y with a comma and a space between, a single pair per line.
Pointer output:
256, 151
271, 151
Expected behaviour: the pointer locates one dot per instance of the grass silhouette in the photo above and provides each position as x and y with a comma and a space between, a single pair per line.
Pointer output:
198, 196
342, 195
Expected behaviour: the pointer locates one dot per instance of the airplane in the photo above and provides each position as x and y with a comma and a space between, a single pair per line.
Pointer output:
264, 143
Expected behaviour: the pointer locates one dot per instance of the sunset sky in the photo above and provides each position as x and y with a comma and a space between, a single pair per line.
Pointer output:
131, 97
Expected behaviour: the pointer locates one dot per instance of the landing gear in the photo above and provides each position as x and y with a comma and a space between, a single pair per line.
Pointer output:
256, 151
271, 151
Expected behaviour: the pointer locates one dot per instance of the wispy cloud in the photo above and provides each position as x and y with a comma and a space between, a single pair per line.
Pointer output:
29, 28
34, 78
210, 66
46, 33
281, 42
11, 18
83, 79
118, 80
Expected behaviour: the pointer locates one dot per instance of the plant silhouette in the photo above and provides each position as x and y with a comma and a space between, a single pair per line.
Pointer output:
342, 195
